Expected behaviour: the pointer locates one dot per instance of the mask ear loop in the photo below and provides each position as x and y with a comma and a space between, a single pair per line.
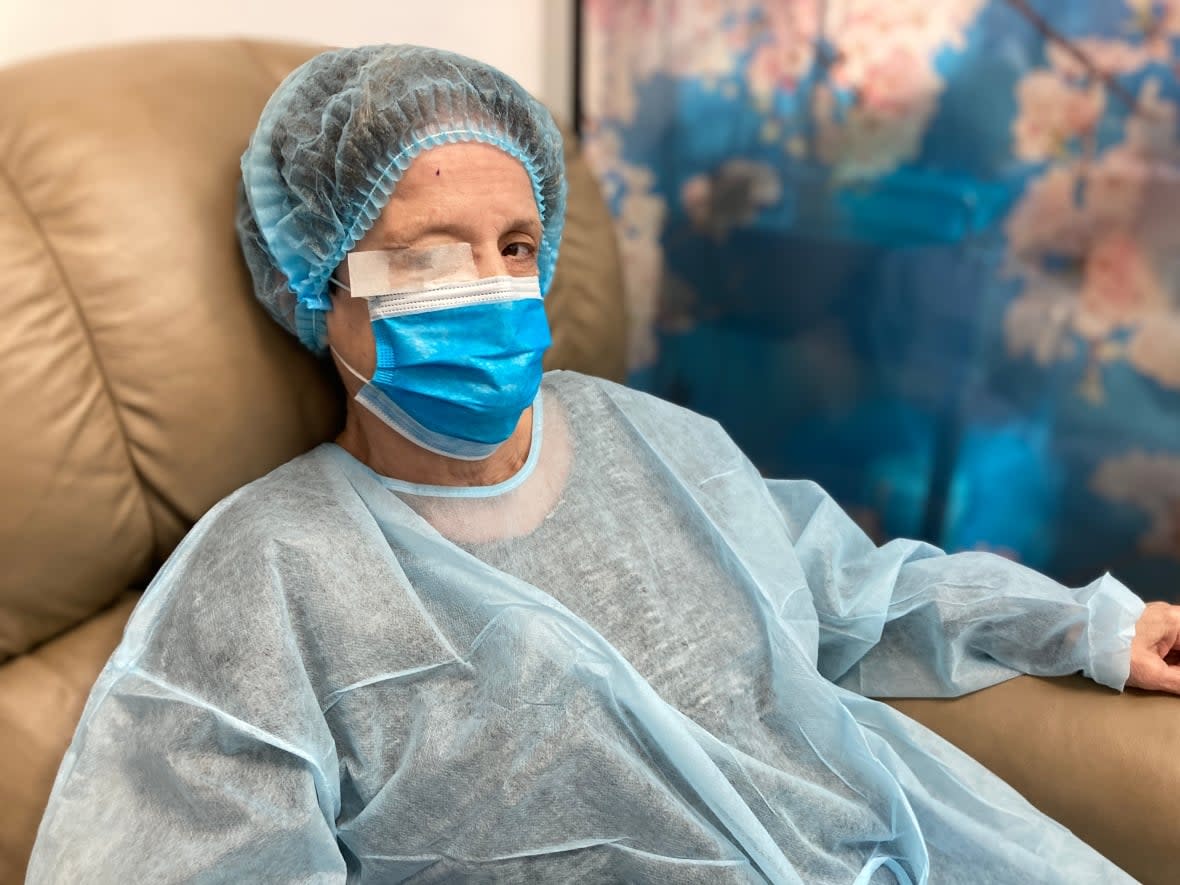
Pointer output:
359, 377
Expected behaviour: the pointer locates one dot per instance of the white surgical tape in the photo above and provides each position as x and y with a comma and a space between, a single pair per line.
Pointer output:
403, 271
399, 282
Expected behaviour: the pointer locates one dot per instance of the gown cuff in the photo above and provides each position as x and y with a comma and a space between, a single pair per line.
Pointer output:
1114, 612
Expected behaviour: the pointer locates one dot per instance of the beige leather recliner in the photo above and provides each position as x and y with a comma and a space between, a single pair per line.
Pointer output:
140, 383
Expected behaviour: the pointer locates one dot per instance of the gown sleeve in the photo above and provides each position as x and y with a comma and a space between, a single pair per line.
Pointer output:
907, 620
205, 757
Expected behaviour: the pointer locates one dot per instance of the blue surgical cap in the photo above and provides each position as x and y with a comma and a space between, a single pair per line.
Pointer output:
335, 139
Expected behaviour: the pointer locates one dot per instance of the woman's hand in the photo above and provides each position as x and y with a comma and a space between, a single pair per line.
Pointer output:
1155, 650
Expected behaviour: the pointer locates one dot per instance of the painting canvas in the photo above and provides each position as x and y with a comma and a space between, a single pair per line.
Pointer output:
927, 254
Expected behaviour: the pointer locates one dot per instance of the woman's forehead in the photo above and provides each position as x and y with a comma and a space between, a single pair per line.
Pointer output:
460, 185
467, 164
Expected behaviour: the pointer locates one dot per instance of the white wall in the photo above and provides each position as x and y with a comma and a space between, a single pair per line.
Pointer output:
529, 39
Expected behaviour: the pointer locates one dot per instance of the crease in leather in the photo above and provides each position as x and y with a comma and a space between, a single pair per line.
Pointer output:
253, 51
88, 334
250, 50
36, 502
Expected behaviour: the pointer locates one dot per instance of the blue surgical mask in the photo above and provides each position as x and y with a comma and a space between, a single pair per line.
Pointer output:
457, 365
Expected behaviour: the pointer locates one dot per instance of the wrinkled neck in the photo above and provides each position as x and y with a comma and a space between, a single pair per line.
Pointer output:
375, 444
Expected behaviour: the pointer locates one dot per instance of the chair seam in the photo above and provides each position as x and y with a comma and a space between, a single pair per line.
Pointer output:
250, 47
95, 355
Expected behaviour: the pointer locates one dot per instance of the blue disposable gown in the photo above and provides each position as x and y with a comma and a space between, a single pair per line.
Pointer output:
635, 661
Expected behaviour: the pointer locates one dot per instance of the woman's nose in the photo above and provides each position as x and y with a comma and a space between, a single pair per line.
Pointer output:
489, 262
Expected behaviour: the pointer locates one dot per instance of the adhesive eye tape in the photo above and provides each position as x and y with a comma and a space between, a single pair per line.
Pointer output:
399, 271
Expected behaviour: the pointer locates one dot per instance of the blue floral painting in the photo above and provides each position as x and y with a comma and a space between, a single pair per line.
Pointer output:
926, 253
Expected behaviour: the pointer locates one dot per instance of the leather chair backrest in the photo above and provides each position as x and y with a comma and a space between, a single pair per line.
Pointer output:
140, 382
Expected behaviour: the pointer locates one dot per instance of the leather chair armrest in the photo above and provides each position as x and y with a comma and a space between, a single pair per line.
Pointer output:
1106, 765
42, 694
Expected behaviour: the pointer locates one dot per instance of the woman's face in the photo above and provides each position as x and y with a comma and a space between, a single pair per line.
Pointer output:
459, 193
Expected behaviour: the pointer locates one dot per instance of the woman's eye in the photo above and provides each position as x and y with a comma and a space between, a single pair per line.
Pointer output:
519, 250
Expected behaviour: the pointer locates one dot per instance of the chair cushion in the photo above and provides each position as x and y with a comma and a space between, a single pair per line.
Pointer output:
1104, 764
140, 382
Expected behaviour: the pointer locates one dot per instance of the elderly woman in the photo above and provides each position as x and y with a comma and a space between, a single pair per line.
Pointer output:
522, 628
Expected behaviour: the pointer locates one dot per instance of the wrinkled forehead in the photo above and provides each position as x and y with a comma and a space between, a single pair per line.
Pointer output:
470, 165
466, 191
